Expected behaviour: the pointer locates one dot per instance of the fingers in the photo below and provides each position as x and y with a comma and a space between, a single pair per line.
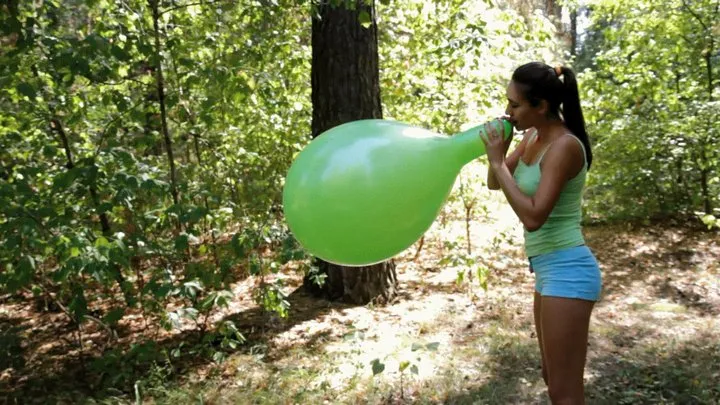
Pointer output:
483, 137
501, 127
493, 128
491, 133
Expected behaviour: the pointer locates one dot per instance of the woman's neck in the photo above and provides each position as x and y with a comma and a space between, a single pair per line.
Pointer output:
550, 130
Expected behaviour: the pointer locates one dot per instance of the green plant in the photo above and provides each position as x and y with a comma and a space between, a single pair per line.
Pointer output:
378, 366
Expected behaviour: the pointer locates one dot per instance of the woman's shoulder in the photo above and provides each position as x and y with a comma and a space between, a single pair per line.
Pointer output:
573, 144
567, 150
566, 144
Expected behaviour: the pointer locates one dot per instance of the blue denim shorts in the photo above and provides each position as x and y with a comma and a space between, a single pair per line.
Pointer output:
567, 273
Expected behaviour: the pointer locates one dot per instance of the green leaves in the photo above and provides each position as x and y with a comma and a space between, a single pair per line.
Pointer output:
647, 97
433, 346
18, 276
377, 366
26, 90
364, 18
468, 52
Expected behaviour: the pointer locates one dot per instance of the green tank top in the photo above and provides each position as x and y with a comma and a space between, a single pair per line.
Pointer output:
562, 228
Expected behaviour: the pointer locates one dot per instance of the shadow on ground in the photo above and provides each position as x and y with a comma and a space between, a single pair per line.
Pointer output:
513, 370
663, 258
664, 373
668, 373
114, 372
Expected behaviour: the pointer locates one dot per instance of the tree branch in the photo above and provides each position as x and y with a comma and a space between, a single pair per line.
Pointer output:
199, 3
57, 127
694, 14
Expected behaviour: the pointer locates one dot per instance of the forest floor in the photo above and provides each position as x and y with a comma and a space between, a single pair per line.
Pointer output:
655, 335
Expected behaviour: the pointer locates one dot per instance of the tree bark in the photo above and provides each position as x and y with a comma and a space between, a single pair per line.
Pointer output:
346, 87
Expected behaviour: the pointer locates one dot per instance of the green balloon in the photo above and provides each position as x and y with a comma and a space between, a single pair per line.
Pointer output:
364, 191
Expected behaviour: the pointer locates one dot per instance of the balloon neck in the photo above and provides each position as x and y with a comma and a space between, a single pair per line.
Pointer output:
469, 144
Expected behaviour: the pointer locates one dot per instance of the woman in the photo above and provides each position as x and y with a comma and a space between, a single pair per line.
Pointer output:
543, 181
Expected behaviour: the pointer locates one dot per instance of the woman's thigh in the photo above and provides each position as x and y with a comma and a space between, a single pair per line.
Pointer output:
565, 323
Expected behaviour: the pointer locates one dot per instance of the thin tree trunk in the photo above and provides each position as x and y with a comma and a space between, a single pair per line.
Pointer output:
573, 32
710, 89
161, 99
198, 158
57, 126
705, 173
707, 203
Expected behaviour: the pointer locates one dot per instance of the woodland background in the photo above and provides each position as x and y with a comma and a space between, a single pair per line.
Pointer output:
143, 147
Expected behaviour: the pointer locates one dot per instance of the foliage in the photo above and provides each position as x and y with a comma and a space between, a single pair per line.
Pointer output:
378, 366
651, 90
143, 146
143, 143
445, 64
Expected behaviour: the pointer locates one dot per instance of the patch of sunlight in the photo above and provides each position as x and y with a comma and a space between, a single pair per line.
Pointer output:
401, 333
645, 247
668, 311
665, 306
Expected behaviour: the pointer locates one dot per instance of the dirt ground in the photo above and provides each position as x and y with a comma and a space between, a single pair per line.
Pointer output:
655, 335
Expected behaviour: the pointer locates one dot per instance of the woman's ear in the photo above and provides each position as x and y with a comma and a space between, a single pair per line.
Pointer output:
543, 108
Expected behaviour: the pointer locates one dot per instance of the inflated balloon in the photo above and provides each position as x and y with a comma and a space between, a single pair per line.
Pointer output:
364, 191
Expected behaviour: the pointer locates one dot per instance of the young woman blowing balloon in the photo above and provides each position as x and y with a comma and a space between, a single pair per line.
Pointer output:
543, 180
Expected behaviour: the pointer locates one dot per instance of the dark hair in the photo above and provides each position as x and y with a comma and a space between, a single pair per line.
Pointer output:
538, 81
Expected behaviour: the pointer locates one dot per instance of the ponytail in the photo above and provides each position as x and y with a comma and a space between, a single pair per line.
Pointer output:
541, 82
572, 111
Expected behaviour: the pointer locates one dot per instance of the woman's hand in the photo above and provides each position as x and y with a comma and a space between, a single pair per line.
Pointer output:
495, 145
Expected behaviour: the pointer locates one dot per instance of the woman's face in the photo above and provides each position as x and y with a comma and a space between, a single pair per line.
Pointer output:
522, 114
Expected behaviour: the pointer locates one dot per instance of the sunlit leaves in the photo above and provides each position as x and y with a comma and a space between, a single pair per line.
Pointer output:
445, 64
649, 108
92, 207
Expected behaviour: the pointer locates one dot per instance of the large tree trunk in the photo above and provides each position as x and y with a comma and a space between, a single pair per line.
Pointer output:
346, 87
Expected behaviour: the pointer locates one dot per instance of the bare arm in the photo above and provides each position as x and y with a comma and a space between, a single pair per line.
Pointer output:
511, 161
561, 163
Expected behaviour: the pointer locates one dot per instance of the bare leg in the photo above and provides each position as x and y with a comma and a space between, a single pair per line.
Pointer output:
537, 310
565, 324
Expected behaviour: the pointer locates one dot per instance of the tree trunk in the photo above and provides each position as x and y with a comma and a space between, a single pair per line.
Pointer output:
161, 99
573, 32
346, 87
554, 11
